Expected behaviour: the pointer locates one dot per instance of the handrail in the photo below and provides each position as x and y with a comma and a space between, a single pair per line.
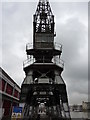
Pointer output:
28, 62
57, 46
56, 61
29, 46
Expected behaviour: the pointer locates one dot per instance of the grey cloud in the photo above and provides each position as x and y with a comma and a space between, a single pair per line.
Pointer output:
73, 37
72, 33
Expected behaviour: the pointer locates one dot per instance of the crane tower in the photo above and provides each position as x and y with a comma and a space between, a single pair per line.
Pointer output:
43, 91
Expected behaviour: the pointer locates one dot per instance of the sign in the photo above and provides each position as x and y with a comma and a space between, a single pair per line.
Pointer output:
17, 109
16, 112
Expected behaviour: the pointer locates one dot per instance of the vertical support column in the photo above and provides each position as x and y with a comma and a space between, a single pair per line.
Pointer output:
11, 107
52, 111
65, 102
66, 108
32, 110
5, 87
30, 74
18, 95
13, 90
29, 78
62, 109
12, 99
2, 101
59, 110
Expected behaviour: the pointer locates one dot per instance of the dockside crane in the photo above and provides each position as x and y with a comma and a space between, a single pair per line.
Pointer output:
43, 91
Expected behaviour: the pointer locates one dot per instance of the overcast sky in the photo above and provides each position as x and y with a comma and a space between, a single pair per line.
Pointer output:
71, 25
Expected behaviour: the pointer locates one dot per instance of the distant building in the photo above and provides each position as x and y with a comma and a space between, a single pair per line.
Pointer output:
86, 106
77, 108
71, 108
9, 93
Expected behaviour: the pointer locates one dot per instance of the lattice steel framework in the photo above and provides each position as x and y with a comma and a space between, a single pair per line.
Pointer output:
43, 17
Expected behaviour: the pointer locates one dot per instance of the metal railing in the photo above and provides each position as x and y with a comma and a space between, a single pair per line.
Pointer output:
28, 62
29, 46
56, 46
58, 62
31, 61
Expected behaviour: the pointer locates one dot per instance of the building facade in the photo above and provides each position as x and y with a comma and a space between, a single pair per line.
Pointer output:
86, 106
9, 93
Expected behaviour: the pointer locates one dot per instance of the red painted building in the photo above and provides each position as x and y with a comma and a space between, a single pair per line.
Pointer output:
9, 93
